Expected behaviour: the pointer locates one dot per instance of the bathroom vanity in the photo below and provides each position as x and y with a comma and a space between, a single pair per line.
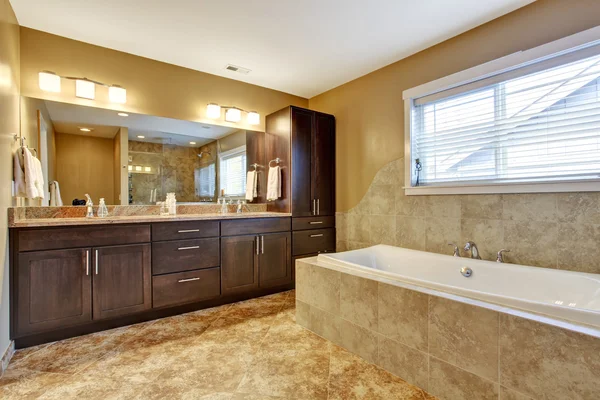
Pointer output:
72, 279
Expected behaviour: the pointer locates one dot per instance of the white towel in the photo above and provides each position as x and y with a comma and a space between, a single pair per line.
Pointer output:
55, 199
39, 178
251, 190
274, 184
31, 173
19, 175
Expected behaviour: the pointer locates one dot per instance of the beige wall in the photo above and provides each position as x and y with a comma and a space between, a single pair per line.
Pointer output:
9, 125
85, 164
153, 87
369, 110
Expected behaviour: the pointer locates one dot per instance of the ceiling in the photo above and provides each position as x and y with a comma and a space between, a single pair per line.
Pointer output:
299, 47
69, 118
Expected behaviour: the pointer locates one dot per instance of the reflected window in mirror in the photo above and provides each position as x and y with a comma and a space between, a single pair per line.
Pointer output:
232, 172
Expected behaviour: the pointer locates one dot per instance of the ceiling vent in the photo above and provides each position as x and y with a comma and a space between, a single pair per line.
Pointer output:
237, 69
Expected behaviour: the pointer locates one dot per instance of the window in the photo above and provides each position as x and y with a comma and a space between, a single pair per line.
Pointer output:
532, 125
205, 181
232, 171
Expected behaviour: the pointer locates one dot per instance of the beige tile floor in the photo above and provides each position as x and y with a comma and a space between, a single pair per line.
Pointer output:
251, 350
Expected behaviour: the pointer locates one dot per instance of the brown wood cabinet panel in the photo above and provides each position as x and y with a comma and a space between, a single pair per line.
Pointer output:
255, 154
184, 255
53, 290
239, 264
81, 236
277, 145
314, 241
304, 223
255, 226
185, 287
323, 164
184, 230
275, 264
302, 132
121, 280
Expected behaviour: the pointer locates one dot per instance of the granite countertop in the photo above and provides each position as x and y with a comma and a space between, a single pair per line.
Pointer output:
131, 219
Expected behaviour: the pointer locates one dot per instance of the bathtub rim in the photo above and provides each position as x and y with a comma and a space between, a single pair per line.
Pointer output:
361, 271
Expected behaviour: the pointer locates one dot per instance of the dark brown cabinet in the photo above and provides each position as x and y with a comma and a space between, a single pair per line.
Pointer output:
54, 289
274, 263
239, 264
323, 164
121, 280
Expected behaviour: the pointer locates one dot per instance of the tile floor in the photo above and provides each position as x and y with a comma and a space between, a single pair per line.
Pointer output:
251, 350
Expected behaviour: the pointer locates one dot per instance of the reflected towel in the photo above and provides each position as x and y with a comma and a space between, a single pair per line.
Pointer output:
251, 183
31, 174
55, 199
19, 175
274, 184
39, 179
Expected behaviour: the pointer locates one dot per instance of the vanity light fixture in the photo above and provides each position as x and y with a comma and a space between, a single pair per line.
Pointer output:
233, 115
213, 111
49, 82
85, 89
117, 94
85, 129
253, 118
141, 136
123, 114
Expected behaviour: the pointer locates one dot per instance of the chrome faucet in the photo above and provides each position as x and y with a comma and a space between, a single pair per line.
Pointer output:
499, 257
240, 206
474, 251
456, 249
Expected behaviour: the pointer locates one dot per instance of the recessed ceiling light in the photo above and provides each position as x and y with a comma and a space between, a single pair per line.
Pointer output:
141, 137
192, 142
85, 129
123, 115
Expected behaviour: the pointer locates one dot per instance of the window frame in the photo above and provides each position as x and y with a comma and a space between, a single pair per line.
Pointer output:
516, 61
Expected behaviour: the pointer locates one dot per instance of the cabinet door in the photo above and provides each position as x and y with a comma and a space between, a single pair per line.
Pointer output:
302, 131
53, 289
323, 164
121, 280
275, 264
239, 264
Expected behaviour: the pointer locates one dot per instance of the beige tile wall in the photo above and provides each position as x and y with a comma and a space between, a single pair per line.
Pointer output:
554, 230
453, 350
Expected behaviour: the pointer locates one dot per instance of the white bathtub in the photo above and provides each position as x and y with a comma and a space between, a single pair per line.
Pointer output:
568, 296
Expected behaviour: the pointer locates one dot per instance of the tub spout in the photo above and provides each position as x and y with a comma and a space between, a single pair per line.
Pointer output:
474, 250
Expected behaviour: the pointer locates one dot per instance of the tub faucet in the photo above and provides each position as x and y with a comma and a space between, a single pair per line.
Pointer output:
456, 249
499, 257
474, 251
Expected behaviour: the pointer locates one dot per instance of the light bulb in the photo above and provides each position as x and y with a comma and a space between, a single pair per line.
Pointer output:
49, 82
213, 111
85, 89
253, 118
233, 115
117, 94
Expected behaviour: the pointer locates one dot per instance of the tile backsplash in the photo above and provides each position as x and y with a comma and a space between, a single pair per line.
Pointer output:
551, 230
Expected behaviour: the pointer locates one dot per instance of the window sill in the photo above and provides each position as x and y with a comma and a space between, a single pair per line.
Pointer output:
554, 187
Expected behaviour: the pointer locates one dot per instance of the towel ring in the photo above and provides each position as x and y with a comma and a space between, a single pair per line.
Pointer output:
276, 161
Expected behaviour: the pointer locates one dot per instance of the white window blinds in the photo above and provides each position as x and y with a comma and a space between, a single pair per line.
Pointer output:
541, 126
232, 172
205, 180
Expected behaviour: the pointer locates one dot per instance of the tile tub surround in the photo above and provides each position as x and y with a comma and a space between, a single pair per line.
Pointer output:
252, 350
552, 230
450, 349
50, 216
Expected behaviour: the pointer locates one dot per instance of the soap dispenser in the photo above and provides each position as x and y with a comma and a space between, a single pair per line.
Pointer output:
102, 210
90, 207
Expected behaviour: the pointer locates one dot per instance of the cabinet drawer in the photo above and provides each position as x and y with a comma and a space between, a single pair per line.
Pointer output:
184, 230
82, 236
186, 287
313, 241
255, 226
304, 223
184, 255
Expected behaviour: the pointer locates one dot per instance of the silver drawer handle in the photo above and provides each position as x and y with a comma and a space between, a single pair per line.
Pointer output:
188, 230
188, 248
315, 222
319, 235
96, 262
188, 280
87, 262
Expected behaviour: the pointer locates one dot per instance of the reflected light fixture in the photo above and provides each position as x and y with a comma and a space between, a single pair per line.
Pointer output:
192, 142
253, 118
130, 167
141, 136
123, 114
233, 115
213, 111
85, 89
49, 82
147, 169
138, 167
85, 129
117, 94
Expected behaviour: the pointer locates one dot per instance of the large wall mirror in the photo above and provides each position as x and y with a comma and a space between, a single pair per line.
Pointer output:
136, 159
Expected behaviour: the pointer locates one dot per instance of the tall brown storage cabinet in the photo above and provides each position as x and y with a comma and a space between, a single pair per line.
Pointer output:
304, 140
